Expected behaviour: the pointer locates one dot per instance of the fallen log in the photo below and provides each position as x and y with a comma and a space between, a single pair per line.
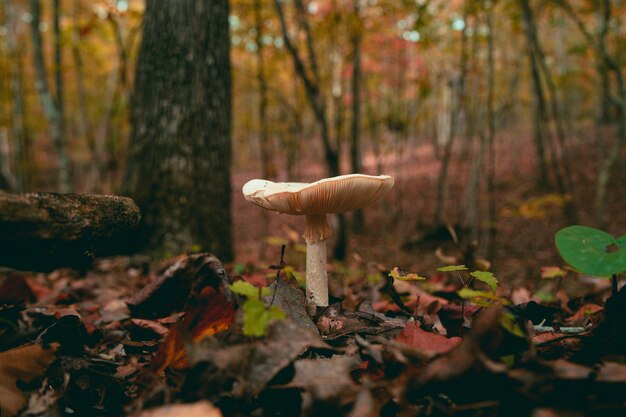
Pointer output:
44, 231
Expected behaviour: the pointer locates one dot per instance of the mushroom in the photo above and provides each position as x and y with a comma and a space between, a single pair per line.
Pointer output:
330, 195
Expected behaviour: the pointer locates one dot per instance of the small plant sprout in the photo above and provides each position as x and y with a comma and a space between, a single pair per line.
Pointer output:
256, 316
482, 298
314, 201
592, 251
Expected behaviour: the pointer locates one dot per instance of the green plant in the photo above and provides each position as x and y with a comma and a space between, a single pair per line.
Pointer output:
482, 298
256, 316
592, 251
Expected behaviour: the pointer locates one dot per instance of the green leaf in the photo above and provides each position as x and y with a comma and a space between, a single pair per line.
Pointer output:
452, 268
396, 274
592, 251
468, 293
486, 277
248, 290
256, 317
550, 272
511, 324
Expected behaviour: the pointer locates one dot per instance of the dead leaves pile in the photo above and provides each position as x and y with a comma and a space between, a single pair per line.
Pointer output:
124, 341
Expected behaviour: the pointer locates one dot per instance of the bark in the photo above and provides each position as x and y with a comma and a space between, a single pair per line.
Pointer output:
358, 221
618, 98
84, 123
43, 231
309, 75
491, 138
540, 106
7, 179
456, 105
51, 109
311, 83
267, 163
178, 170
21, 142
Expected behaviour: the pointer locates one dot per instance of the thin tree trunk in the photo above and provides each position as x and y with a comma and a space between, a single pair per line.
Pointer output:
311, 86
458, 91
21, 142
317, 102
605, 63
52, 111
7, 179
604, 175
267, 163
358, 221
551, 111
85, 126
491, 137
540, 106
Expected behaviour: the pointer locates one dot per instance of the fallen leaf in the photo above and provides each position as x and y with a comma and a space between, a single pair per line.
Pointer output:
254, 364
25, 364
210, 313
291, 301
171, 291
326, 380
199, 409
15, 289
612, 372
417, 338
584, 315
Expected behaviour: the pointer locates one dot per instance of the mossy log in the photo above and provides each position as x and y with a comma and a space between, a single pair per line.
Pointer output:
43, 231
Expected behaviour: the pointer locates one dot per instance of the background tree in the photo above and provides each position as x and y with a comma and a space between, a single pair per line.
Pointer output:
179, 164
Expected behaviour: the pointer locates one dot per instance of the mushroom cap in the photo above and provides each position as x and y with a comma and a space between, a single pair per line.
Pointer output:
330, 195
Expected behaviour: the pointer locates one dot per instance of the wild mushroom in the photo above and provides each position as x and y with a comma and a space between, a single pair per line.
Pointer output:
330, 195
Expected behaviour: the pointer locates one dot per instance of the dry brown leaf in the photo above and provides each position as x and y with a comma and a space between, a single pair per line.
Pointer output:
199, 409
420, 339
24, 363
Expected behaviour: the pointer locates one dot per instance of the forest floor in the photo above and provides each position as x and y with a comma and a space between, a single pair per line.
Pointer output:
400, 229
188, 337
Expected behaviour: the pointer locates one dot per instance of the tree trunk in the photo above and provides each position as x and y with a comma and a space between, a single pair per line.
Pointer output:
85, 127
51, 108
21, 143
43, 231
540, 106
178, 170
358, 221
309, 74
491, 137
456, 105
267, 162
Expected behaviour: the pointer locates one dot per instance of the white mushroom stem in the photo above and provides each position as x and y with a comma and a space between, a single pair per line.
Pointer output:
316, 278
316, 232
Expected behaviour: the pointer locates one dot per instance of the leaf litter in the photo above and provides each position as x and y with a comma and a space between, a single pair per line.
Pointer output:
126, 340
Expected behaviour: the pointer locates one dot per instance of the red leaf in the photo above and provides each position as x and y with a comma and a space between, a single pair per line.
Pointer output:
419, 339
210, 313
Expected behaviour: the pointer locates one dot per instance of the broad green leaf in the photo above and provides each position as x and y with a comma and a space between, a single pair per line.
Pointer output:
452, 268
256, 317
248, 290
592, 251
468, 293
395, 274
486, 277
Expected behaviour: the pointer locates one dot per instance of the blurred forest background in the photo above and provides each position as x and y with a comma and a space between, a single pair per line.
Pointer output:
501, 121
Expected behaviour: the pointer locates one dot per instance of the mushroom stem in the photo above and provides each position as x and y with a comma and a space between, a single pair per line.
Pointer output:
316, 278
315, 234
